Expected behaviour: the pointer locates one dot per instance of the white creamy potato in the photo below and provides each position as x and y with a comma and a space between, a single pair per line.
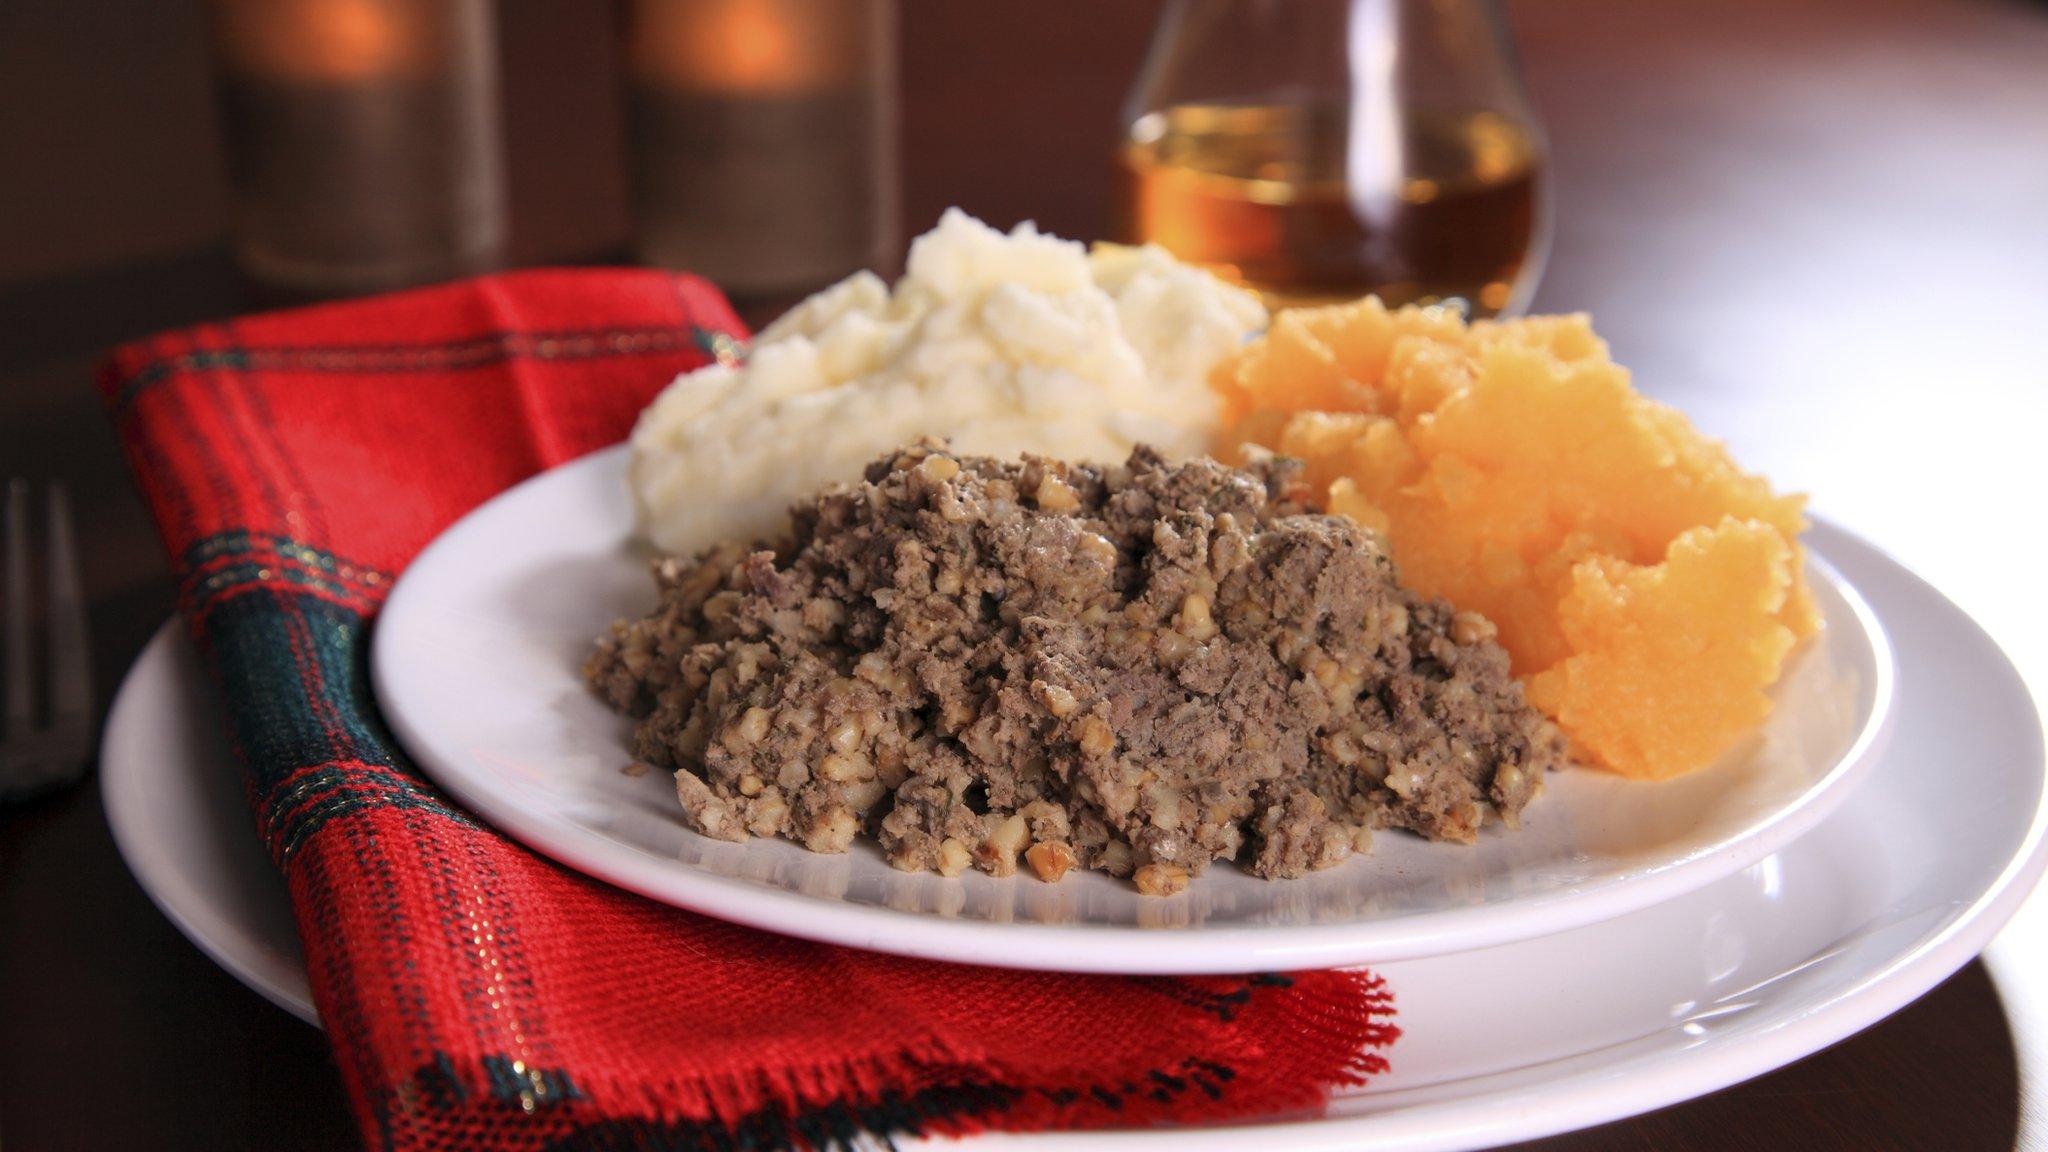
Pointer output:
1000, 343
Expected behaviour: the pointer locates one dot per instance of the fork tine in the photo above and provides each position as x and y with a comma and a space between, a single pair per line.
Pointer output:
14, 637
70, 660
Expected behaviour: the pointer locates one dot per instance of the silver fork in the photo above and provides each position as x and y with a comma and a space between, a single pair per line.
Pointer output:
35, 758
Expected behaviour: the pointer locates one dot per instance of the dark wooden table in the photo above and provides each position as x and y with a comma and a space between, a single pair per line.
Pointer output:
1817, 226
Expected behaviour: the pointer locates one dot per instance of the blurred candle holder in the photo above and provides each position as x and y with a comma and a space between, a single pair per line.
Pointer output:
763, 138
1320, 150
363, 140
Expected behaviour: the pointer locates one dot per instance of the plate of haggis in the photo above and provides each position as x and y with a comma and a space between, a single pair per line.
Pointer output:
1060, 608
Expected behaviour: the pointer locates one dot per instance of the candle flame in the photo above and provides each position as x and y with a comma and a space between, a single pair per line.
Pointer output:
324, 41
748, 47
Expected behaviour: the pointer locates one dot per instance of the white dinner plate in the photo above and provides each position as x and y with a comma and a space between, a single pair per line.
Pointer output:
174, 799
1893, 892
476, 661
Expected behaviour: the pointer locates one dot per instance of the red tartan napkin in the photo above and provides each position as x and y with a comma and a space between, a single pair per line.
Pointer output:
478, 996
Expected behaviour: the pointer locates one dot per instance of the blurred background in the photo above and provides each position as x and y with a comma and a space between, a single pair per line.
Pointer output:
1818, 226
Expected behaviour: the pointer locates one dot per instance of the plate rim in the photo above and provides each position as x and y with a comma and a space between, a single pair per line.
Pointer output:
1544, 1107
210, 925
1549, 1108
1097, 948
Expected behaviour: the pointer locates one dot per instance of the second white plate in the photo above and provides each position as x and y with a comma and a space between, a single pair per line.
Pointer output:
475, 663
1893, 892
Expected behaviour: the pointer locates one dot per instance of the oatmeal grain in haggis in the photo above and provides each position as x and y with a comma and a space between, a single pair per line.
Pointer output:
1138, 669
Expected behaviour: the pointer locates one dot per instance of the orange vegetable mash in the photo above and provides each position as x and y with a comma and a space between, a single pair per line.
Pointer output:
1647, 588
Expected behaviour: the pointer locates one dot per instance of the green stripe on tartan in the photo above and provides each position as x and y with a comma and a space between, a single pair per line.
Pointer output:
857, 1122
296, 668
253, 558
332, 791
233, 360
242, 540
518, 1083
201, 592
722, 347
472, 352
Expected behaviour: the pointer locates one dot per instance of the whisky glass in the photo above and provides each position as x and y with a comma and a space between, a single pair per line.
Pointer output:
1321, 150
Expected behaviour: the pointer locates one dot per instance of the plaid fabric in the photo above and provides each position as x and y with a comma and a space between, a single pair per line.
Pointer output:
479, 997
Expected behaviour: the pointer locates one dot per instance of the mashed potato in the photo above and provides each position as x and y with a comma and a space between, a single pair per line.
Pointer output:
1003, 344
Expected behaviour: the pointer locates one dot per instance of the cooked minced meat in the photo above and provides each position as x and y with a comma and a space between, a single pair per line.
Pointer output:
1139, 668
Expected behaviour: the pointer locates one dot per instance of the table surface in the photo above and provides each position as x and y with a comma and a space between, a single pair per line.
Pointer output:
1816, 226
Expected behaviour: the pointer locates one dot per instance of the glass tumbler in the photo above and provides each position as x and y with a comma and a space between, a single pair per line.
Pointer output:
1320, 150
363, 141
762, 138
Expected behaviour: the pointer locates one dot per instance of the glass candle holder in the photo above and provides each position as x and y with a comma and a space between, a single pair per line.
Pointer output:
1320, 150
762, 138
363, 141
